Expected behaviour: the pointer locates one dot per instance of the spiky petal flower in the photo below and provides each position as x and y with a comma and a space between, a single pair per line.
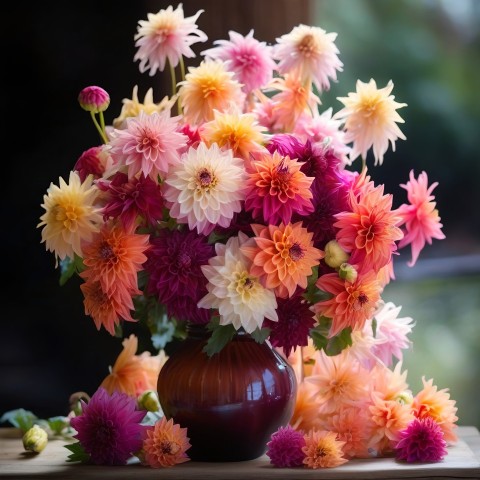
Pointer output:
205, 189
206, 88
149, 144
421, 441
421, 218
323, 450
283, 256
351, 304
166, 35
175, 276
94, 99
250, 60
310, 53
371, 119
131, 373
285, 448
165, 444
277, 188
295, 319
109, 427
369, 231
70, 217
237, 294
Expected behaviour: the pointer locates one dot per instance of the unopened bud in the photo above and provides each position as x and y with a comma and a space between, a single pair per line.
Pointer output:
35, 439
148, 400
347, 272
94, 99
335, 255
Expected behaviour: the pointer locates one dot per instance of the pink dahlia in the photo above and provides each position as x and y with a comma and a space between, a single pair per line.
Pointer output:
295, 319
175, 275
250, 60
93, 161
109, 427
285, 448
134, 201
277, 188
149, 144
421, 218
421, 441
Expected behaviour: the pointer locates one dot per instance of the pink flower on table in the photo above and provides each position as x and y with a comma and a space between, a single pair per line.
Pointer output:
285, 448
323, 450
421, 441
109, 428
351, 304
310, 53
282, 256
369, 231
250, 60
420, 217
149, 144
166, 35
276, 189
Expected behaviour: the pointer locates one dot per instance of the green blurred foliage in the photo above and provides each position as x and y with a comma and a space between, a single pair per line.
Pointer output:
430, 49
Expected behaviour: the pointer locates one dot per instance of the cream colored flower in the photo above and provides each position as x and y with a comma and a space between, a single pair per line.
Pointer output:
371, 119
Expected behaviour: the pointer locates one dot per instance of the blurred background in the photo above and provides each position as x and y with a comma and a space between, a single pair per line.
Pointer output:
430, 49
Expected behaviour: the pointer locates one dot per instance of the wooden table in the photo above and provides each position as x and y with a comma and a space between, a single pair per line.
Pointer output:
462, 461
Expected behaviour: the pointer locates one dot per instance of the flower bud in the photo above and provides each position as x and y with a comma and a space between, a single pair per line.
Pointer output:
94, 99
405, 397
335, 255
35, 439
347, 272
148, 400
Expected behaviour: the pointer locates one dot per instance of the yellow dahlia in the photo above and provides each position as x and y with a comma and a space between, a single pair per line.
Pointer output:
70, 217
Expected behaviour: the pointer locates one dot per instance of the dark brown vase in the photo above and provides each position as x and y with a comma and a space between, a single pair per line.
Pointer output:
231, 402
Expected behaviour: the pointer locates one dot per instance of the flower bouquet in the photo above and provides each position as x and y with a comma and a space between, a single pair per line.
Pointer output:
239, 202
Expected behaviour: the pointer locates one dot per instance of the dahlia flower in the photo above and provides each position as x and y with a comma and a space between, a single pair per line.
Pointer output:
285, 448
238, 295
71, 217
94, 161
310, 53
323, 450
109, 427
205, 189
371, 118
166, 35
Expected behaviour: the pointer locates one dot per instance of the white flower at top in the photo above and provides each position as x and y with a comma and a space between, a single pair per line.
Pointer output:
240, 298
166, 35
370, 116
310, 53
149, 144
206, 188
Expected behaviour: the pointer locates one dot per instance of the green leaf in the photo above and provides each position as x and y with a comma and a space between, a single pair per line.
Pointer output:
339, 342
334, 345
20, 418
68, 267
221, 335
78, 453
260, 334
374, 327
58, 424
320, 341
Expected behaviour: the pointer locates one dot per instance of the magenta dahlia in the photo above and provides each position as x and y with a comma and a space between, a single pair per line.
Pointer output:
91, 162
421, 441
130, 199
295, 319
175, 275
285, 448
109, 429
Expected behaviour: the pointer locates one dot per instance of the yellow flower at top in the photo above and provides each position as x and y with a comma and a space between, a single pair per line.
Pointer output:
371, 119
132, 107
206, 88
70, 217
238, 131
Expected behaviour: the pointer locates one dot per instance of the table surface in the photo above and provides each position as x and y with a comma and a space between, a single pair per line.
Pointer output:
462, 461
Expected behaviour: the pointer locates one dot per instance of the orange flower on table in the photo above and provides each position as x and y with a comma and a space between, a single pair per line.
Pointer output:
134, 374
431, 402
370, 230
165, 444
282, 256
323, 450
351, 304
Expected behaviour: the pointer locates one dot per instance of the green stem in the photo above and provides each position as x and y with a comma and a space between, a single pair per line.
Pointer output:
364, 163
99, 128
182, 69
173, 78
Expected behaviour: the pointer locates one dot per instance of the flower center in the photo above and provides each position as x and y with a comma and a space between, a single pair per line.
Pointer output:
67, 215
296, 252
169, 448
106, 252
307, 45
360, 301
206, 179
148, 141
183, 261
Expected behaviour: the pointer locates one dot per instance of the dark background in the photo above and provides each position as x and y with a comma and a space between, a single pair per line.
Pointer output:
48, 348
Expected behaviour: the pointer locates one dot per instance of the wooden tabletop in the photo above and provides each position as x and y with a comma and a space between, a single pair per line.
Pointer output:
462, 461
